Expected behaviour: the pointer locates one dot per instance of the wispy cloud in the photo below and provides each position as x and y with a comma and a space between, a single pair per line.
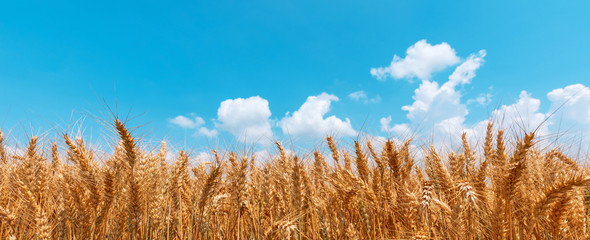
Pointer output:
187, 122
483, 99
361, 96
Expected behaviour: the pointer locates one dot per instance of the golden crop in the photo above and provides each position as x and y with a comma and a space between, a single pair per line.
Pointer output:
525, 193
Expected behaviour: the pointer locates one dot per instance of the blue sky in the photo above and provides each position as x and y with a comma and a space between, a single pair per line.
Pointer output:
171, 59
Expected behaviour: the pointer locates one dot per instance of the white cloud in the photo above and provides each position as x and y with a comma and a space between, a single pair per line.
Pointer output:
358, 95
171, 155
522, 115
572, 104
309, 119
570, 107
385, 122
18, 151
186, 122
246, 119
422, 59
402, 129
193, 122
569, 114
466, 71
265, 155
483, 99
207, 132
204, 157
361, 96
433, 104
438, 109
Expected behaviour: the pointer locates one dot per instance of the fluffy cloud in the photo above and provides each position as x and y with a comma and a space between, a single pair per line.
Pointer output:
402, 129
207, 132
361, 96
466, 71
309, 119
434, 104
186, 122
570, 114
438, 109
523, 115
385, 122
572, 104
422, 59
246, 119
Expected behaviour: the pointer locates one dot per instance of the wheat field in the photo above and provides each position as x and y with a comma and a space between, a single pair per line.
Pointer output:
501, 191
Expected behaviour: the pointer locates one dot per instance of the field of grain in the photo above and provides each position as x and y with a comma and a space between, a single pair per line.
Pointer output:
501, 191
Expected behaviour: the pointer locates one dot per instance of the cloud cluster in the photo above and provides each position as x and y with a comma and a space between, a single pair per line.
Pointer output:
440, 111
249, 120
437, 107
